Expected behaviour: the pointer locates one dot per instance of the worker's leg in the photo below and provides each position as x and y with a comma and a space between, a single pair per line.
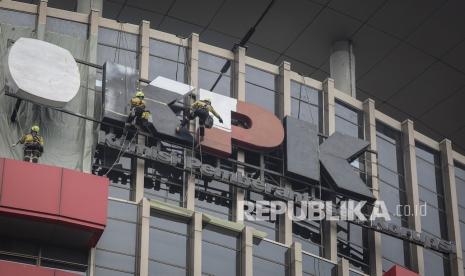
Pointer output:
26, 154
35, 156
203, 115
185, 120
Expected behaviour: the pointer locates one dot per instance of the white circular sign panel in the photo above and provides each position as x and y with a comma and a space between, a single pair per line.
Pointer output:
42, 72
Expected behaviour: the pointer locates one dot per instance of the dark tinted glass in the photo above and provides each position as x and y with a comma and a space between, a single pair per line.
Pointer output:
260, 88
66, 27
18, 18
314, 266
219, 252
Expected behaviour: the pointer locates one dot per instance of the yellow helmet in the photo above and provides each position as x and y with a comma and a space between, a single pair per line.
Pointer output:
207, 100
35, 128
140, 94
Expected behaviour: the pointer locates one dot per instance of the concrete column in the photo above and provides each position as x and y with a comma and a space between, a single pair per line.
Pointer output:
411, 186
450, 199
239, 73
329, 123
41, 19
196, 245
239, 93
88, 146
91, 269
374, 238
239, 195
144, 235
85, 6
342, 67
284, 109
296, 259
143, 73
343, 267
144, 39
193, 77
247, 252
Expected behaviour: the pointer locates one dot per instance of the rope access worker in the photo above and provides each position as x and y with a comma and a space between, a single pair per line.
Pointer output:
200, 109
138, 114
33, 145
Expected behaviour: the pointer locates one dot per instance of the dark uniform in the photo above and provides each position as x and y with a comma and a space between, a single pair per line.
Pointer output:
33, 146
200, 109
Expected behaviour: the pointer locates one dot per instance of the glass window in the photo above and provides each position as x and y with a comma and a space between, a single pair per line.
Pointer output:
119, 171
352, 239
306, 103
167, 60
164, 182
432, 192
220, 254
114, 253
392, 191
168, 245
66, 27
210, 67
312, 266
269, 259
29, 252
212, 196
16, 18
460, 184
117, 46
260, 88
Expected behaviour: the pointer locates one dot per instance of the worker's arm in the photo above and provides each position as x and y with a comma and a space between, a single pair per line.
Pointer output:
213, 111
41, 141
22, 140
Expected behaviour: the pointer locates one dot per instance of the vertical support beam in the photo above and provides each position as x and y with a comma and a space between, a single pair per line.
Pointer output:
144, 48
284, 109
247, 252
343, 267
41, 19
144, 236
143, 73
239, 94
296, 259
239, 73
239, 195
452, 212
195, 266
91, 270
411, 185
193, 75
88, 146
329, 125
374, 238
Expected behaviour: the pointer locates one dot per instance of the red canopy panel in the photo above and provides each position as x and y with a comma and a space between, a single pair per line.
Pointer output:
15, 269
52, 204
400, 271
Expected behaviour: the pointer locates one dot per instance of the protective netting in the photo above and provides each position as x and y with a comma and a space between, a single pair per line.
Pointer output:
64, 134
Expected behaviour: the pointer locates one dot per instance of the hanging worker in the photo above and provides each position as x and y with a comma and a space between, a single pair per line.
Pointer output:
33, 145
200, 109
138, 114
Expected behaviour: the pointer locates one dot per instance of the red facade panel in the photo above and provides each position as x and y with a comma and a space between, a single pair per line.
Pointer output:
82, 196
17, 269
40, 193
400, 271
31, 187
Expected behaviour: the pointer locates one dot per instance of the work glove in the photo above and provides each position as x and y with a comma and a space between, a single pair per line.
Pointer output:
221, 120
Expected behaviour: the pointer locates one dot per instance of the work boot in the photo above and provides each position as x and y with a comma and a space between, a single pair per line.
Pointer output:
178, 129
26, 159
35, 159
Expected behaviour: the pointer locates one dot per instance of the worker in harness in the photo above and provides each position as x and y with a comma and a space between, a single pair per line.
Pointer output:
138, 115
33, 145
200, 109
